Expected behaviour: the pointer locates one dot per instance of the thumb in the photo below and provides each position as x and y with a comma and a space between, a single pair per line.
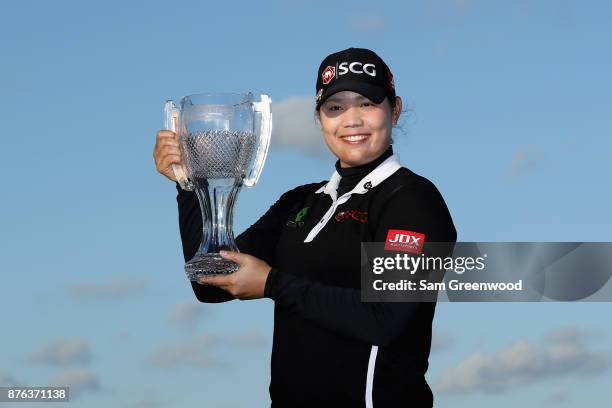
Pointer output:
232, 256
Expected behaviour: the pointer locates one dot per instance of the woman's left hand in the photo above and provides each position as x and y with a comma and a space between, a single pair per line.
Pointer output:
248, 282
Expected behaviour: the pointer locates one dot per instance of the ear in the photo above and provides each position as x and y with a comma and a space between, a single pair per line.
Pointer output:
397, 111
317, 118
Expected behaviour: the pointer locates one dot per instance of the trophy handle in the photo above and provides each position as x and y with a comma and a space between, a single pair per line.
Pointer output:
263, 108
171, 115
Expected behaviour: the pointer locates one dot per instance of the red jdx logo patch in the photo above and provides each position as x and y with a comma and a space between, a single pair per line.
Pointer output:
406, 241
328, 74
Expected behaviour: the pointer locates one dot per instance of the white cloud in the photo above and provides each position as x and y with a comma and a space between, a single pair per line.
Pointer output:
440, 341
169, 356
463, 4
450, 7
558, 397
442, 46
7, 380
192, 354
62, 352
200, 351
368, 23
118, 288
251, 338
122, 336
78, 381
187, 314
562, 353
294, 125
571, 335
525, 160
146, 402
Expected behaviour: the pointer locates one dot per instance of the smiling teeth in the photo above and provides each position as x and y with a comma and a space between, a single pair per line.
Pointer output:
355, 138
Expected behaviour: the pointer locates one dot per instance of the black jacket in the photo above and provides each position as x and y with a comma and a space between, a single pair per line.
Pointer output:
329, 348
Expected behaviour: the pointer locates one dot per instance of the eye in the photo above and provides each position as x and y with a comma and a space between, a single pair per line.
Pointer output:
334, 108
367, 104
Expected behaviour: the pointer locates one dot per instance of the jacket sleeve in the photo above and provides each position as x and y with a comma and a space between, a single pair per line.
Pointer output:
258, 240
420, 209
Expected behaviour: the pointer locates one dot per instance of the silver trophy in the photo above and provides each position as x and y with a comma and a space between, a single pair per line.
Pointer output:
224, 140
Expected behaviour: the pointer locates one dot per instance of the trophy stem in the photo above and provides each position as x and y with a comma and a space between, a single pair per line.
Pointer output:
217, 198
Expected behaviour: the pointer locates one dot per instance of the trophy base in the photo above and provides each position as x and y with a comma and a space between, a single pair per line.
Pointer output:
209, 264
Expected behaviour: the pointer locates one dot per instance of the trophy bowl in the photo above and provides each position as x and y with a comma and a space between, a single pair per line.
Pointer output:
224, 140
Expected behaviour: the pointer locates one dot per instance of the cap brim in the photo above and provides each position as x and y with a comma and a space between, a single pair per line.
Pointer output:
374, 93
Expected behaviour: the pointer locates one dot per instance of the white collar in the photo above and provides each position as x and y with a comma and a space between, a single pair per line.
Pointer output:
371, 180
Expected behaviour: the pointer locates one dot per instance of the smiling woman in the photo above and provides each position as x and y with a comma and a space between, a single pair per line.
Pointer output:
329, 348
355, 129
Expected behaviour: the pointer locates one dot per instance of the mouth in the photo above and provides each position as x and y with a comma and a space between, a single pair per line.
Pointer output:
355, 139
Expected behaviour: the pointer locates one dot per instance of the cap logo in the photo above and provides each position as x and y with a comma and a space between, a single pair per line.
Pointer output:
356, 68
328, 74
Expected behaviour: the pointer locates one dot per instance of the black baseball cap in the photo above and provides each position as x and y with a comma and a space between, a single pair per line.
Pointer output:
355, 69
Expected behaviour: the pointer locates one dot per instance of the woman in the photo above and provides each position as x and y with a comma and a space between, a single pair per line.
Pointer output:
329, 348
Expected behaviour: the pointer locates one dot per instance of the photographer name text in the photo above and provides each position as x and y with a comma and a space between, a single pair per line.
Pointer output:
453, 284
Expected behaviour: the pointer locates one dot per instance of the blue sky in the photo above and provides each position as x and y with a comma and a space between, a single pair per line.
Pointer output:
508, 114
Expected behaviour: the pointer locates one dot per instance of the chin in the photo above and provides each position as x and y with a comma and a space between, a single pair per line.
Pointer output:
356, 161
357, 158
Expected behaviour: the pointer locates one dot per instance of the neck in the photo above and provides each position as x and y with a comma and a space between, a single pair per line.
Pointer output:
352, 175
344, 170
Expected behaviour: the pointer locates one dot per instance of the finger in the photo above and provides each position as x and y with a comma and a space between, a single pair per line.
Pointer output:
165, 134
164, 150
166, 161
160, 151
233, 256
216, 280
167, 142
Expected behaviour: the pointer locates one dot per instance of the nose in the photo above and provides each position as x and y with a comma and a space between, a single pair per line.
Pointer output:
352, 118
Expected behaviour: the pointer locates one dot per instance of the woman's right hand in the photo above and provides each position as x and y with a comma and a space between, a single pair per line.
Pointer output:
166, 153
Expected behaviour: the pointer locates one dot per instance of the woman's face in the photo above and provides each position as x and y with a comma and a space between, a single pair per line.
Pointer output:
356, 129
